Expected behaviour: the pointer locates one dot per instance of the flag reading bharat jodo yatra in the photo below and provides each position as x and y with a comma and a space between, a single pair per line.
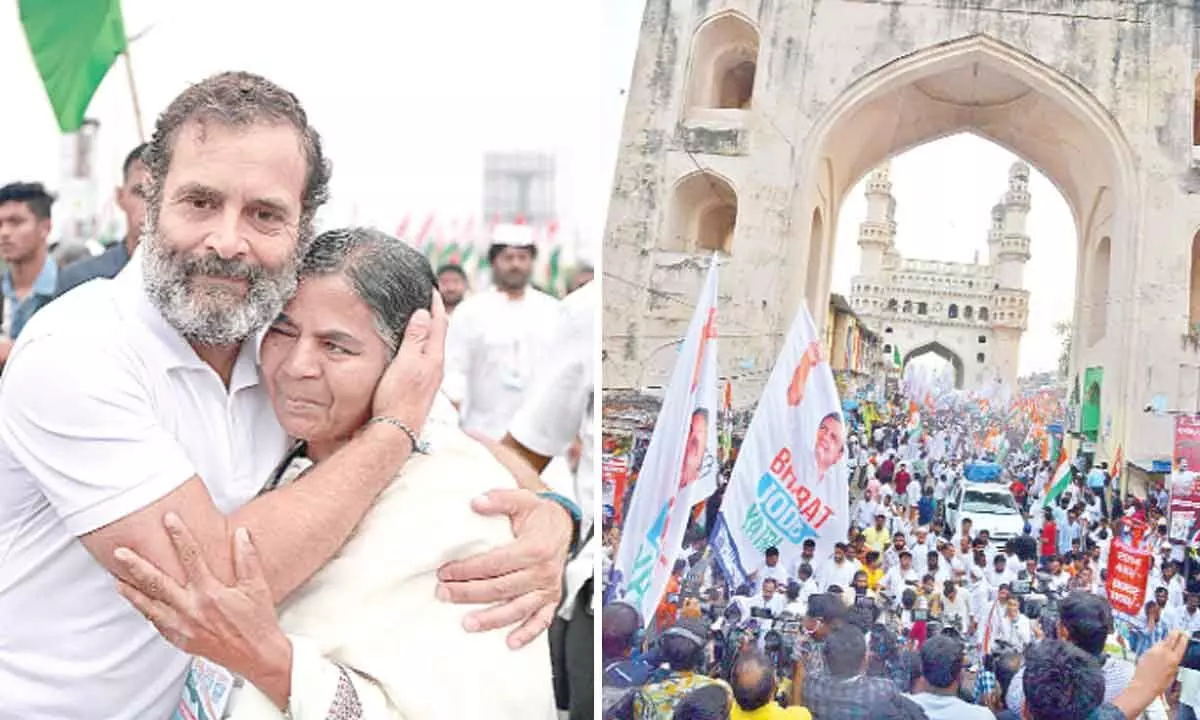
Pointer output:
680, 467
789, 482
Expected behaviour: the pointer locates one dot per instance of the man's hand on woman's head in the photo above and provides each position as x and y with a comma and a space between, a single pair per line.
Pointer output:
412, 380
524, 578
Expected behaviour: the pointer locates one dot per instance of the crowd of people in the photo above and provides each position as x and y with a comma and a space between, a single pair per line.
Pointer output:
916, 616
248, 469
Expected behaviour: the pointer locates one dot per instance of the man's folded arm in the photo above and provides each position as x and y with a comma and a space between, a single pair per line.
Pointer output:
90, 436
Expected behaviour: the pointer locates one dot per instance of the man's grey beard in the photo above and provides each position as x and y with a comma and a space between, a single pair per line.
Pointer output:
214, 316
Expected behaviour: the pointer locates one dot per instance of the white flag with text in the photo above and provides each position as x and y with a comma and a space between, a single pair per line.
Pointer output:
790, 480
680, 467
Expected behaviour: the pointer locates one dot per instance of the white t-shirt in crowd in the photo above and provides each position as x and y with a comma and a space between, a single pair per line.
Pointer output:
105, 409
559, 407
840, 575
777, 573
493, 351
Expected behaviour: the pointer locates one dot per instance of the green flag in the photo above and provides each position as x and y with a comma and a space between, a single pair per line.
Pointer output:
553, 269
73, 45
896, 356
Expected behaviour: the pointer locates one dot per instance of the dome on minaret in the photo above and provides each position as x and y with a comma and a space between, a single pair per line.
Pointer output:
879, 182
1019, 169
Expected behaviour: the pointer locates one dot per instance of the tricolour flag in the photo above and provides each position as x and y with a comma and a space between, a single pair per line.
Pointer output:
913, 429
789, 481
1117, 467
1057, 483
680, 468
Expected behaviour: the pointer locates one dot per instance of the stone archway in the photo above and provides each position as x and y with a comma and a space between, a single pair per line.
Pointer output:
837, 92
980, 85
945, 353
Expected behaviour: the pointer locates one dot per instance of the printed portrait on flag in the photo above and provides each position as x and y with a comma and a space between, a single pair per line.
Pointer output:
680, 468
828, 442
789, 482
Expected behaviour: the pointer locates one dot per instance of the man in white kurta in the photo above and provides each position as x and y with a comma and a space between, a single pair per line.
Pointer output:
497, 339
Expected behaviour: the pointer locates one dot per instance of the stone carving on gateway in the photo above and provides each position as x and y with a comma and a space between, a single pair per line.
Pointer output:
971, 314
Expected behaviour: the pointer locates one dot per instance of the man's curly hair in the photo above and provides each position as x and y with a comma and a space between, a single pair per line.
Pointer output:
239, 99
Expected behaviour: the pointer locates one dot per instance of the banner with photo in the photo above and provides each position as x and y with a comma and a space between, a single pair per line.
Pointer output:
1184, 488
680, 468
789, 482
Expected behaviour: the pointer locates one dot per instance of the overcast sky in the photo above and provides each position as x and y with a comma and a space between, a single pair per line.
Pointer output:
408, 95
944, 196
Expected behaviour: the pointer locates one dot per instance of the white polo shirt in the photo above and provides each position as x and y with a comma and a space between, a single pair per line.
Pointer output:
560, 407
105, 409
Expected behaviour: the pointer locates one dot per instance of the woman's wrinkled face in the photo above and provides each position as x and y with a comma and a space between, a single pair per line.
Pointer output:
322, 358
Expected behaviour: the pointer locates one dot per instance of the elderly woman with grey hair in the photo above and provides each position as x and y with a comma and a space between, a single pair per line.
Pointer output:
366, 637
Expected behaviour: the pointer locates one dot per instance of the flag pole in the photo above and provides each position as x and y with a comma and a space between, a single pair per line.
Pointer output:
137, 108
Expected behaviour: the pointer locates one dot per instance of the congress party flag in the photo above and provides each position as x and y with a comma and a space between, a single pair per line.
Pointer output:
680, 467
789, 482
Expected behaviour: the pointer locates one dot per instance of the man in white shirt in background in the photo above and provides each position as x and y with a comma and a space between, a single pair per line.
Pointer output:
559, 408
920, 550
499, 337
840, 571
772, 571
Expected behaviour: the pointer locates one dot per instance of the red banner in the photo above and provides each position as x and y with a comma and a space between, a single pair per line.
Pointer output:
615, 474
1184, 487
1128, 573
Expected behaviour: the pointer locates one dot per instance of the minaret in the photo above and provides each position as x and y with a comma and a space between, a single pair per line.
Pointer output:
1014, 246
877, 234
996, 234
1008, 250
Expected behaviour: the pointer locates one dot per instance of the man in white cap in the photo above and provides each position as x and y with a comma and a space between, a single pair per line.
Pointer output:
498, 336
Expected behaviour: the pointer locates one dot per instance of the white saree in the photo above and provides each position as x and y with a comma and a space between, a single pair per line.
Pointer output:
369, 618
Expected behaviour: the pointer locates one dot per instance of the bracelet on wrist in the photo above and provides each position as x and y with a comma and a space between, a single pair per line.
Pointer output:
573, 510
419, 446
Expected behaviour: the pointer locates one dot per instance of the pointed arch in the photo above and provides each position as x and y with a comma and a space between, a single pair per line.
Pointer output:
724, 63
816, 240
1099, 274
704, 210
945, 353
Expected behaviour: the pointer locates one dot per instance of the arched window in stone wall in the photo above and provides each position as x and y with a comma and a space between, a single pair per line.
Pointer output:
724, 63
922, 308
1098, 283
703, 214
953, 311
983, 314
968, 313
892, 304
1194, 286
907, 308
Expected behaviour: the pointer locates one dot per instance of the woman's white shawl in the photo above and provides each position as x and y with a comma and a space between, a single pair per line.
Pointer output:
372, 608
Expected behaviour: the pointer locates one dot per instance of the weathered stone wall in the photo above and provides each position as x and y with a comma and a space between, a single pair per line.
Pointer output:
1108, 118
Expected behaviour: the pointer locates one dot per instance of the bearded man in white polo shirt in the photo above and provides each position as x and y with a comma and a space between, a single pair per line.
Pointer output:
132, 401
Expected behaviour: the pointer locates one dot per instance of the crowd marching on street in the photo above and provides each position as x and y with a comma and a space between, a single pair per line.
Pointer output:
973, 582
